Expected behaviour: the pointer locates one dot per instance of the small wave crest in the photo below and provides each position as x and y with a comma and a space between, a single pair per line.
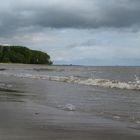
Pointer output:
4, 85
131, 85
111, 84
68, 107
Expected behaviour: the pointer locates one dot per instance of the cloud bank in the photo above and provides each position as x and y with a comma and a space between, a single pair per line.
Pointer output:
84, 26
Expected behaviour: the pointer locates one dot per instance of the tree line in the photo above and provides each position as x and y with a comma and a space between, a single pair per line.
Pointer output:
21, 54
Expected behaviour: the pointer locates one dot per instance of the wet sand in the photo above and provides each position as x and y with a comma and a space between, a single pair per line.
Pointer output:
20, 121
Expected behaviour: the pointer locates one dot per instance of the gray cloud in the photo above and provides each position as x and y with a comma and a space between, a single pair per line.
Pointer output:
87, 43
62, 14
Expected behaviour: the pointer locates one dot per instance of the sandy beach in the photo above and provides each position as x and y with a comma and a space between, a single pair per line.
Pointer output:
32, 122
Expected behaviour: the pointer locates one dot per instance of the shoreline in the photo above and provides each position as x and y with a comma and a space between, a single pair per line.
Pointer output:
70, 65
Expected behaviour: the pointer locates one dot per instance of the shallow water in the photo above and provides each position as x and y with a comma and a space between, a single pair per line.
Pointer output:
53, 97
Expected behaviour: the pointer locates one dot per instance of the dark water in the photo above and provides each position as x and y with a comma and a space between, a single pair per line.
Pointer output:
76, 97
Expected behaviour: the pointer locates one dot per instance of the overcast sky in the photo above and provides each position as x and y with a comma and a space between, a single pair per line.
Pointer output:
87, 32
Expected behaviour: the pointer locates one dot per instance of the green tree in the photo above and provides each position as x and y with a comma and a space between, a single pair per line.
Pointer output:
20, 54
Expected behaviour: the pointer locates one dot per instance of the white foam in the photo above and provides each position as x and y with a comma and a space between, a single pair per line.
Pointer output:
111, 84
138, 122
9, 86
137, 80
69, 107
116, 117
4, 85
131, 85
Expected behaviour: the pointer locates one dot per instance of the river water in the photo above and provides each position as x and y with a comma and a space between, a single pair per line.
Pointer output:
77, 98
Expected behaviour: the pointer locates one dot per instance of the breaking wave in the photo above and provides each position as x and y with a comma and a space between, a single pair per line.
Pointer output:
131, 85
67, 107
